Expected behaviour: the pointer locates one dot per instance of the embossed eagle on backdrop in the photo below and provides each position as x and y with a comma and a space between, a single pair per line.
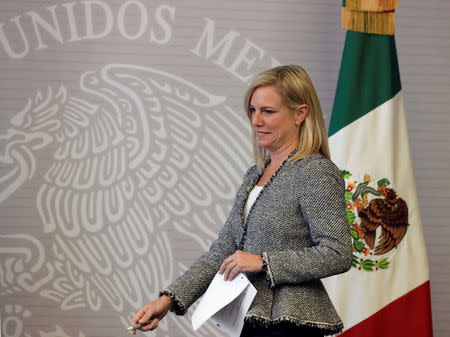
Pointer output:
145, 153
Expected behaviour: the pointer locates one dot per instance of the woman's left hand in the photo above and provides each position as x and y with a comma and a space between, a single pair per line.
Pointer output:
239, 262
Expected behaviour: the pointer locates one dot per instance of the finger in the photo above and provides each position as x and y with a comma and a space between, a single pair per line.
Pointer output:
226, 263
227, 272
138, 316
147, 316
145, 327
222, 267
234, 272
153, 325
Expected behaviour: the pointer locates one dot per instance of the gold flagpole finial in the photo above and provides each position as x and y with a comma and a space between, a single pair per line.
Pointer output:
369, 16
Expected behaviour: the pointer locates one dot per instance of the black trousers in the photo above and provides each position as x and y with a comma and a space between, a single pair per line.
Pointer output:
279, 330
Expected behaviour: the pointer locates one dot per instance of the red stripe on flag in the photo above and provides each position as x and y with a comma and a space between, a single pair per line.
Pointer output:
408, 316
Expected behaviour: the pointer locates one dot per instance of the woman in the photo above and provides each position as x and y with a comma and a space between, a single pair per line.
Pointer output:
287, 228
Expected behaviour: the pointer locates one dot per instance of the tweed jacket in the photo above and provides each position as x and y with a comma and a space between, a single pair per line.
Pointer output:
299, 225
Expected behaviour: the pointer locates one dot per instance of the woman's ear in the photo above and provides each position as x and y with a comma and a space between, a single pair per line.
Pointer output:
300, 114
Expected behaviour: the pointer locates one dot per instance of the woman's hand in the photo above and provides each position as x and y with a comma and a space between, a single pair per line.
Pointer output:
240, 262
154, 311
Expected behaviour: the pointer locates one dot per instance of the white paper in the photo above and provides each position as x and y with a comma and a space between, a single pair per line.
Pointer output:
231, 317
226, 303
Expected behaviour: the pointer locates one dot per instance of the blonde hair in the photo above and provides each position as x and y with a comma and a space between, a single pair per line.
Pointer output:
295, 88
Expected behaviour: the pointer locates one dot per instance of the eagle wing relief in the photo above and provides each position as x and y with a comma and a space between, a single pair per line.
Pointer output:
30, 130
196, 153
23, 264
145, 152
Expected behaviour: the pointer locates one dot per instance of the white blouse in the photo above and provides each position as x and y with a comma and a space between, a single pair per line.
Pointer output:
251, 199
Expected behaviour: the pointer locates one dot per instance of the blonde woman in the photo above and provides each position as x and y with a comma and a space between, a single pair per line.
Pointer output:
287, 228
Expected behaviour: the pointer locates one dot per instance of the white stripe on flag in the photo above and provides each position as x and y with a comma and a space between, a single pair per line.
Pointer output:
377, 144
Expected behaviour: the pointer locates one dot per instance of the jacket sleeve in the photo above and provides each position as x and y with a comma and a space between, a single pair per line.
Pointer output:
187, 288
323, 208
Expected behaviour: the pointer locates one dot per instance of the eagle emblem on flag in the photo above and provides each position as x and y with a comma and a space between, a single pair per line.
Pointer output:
378, 221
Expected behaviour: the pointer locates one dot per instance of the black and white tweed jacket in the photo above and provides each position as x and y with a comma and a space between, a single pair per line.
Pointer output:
298, 224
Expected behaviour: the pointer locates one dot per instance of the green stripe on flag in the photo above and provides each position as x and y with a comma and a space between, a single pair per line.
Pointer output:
369, 76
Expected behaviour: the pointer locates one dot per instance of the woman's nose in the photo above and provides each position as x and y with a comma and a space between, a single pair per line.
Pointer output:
256, 118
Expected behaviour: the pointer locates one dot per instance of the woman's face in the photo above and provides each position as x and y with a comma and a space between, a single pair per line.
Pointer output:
276, 127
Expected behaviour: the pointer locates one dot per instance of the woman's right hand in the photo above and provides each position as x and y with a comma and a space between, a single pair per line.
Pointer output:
154, 311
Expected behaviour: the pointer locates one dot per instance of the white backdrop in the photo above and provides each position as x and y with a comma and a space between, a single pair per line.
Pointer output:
123, 140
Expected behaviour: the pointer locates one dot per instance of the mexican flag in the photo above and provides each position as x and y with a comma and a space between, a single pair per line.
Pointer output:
387, 291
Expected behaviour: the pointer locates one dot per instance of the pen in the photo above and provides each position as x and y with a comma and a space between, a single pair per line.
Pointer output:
137, 326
